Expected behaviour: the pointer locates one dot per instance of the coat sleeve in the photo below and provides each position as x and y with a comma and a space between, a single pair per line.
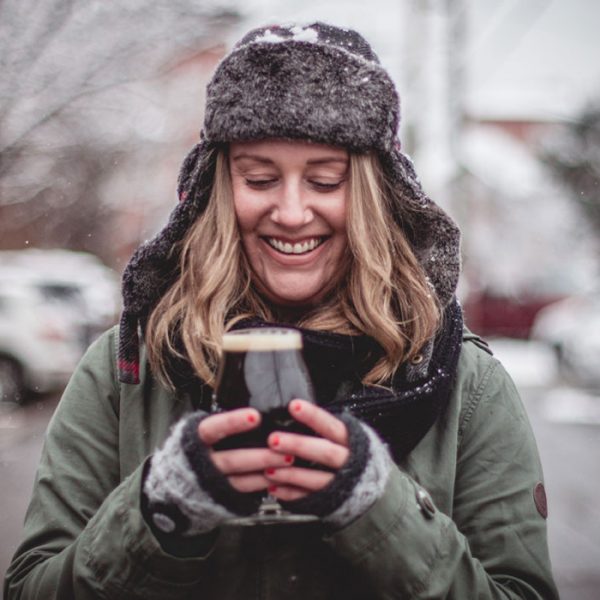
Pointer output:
493, 545
84, 534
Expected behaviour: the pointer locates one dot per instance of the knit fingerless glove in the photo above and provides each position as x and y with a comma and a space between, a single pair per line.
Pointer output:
356, 485
185, 493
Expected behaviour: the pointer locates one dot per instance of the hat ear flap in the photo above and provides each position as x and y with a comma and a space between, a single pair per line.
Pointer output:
432, 233
154, 265
128, 354
189, 168
150, 270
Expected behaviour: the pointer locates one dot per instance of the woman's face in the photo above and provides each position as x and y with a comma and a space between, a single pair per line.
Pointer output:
290, 202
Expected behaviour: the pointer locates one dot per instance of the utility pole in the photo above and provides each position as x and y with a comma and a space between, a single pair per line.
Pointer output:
433, 98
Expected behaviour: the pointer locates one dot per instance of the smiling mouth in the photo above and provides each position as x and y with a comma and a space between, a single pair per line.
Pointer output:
304, 247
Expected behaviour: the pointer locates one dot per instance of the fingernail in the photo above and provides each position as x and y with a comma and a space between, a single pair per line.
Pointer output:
272, 489
251, 418
275, 440
297, 406
270, 471
289, 459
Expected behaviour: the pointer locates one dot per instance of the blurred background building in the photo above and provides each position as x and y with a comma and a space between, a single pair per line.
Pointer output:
100, 102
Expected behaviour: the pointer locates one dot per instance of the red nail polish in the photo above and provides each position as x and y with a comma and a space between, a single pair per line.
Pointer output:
275, 440
270, 471
297, 407
289, 459
272, 489
251, 418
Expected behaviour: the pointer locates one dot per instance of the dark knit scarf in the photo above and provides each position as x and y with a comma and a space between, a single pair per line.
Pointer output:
403, 414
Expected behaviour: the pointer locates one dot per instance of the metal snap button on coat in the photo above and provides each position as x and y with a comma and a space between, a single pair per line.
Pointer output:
163, 522
417, 359
425, 503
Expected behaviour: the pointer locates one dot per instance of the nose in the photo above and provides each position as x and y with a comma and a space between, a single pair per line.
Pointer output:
292, 207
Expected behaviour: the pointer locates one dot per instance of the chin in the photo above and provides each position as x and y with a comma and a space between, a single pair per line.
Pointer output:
296, 292
294, 298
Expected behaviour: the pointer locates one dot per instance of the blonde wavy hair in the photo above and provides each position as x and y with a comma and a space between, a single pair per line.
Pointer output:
382, 290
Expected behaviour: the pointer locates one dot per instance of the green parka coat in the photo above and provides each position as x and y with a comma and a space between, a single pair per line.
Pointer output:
478, 533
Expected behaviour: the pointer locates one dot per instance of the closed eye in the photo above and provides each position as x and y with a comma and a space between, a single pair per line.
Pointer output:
259, 183
326, 187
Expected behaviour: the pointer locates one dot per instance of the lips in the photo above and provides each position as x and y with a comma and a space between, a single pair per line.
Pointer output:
289, 247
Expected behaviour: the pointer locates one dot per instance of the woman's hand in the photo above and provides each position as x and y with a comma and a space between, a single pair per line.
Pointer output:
355, 462
330, 450
257, 469
245, 468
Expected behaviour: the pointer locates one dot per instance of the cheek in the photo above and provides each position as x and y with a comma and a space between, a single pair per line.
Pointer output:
246, 213
337, 216
248, 218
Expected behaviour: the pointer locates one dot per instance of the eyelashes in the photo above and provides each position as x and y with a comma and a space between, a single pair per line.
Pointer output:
263, 184
259, 183
326, 187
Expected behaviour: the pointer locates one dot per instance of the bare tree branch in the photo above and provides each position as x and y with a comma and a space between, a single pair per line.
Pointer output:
574, 157
56, 56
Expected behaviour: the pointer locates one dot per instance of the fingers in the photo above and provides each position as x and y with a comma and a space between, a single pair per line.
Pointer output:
252, 482
259, 469
285, 483
331, 449
319, 420
287, 493
309, 480
245, 468
248, 460
258, 483
313, 449
216, 427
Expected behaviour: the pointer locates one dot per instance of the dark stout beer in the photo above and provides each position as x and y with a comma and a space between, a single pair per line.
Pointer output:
264, 369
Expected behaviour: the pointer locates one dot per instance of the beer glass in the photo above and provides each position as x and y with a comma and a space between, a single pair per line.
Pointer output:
264, 369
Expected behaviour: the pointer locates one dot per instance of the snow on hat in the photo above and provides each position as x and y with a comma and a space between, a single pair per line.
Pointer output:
316, 82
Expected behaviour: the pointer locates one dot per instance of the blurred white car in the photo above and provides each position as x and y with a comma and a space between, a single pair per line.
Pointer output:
38, 345
53, 304
77, 279
572, 327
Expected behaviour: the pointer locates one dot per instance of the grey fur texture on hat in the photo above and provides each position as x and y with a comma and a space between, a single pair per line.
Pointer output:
316, 82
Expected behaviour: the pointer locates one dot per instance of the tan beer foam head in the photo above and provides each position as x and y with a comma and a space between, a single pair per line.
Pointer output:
262, 340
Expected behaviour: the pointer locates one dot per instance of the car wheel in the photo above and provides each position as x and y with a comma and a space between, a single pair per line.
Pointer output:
11, 382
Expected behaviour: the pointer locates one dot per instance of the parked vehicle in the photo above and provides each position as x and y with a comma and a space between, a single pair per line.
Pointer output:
53, 304
77, 279
504, 316
572, 328
38, 344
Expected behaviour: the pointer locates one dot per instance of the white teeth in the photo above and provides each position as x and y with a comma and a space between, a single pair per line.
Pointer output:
296, 248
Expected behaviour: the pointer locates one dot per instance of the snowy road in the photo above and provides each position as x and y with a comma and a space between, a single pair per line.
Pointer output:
21, 438
566, 422
570, 453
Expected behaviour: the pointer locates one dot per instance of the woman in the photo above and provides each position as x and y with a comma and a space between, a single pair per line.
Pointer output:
297, 207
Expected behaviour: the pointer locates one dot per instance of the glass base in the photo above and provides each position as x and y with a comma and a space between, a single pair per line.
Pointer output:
270, 512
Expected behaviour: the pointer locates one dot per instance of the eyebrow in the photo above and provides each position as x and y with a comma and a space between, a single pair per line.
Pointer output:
268, 161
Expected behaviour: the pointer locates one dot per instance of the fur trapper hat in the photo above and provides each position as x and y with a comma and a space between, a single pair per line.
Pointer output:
315, 82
